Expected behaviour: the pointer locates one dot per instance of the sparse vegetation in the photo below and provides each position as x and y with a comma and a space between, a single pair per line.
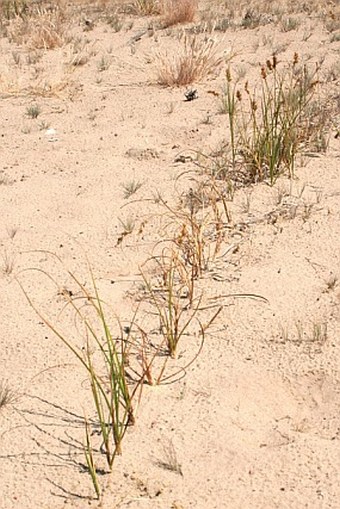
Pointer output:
314, 333
194, 60
12, 231
8, 263
171, 299
331, 282
289, 23
103, 352
10, 9
146, 7
33, 111
131, 187
267, 131
196, 227
183, 269
39, 29
115, 21
7, 395
128, 224
170, 461
178, 11
252, 18
103, 64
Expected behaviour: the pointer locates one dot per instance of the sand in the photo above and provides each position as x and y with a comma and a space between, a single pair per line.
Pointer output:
254, 423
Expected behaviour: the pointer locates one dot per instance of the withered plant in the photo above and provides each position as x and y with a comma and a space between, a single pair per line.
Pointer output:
10, 9
197, 225
37, 26
175, 12
172, 300
174, 306
194, 59
145, 7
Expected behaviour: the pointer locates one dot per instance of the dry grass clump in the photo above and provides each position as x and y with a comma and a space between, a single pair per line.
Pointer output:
49, 31
42, 29
251, 14
194, 60
41, 24
178, 11
145, 7
12, 8
245, 13
196, 230
332, 22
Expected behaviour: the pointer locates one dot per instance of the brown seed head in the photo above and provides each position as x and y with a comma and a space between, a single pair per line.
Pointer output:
295, 58
263, 72
228, 75
269, 65
275, 62
238, 95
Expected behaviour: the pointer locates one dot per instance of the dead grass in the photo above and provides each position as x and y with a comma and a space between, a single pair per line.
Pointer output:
63, 88
178, 11
195, 59
42, 30
250, 14
12, 8
144, 7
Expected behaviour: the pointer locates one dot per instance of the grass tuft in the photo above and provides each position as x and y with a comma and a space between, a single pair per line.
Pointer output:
145, 7
175, 12
169, 298
103, 351
39, 28
131, 188
7, 395
10, 9
194, 60
268, 128
8, 263
170, 461
33, 111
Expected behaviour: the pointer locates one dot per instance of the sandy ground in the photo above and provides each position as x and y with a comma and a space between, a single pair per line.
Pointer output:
255, 421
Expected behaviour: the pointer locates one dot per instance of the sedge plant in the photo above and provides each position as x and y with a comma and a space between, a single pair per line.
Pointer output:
171, 300
103, 352
268, 126
176, 311
196, 230
153, 362
89, 456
